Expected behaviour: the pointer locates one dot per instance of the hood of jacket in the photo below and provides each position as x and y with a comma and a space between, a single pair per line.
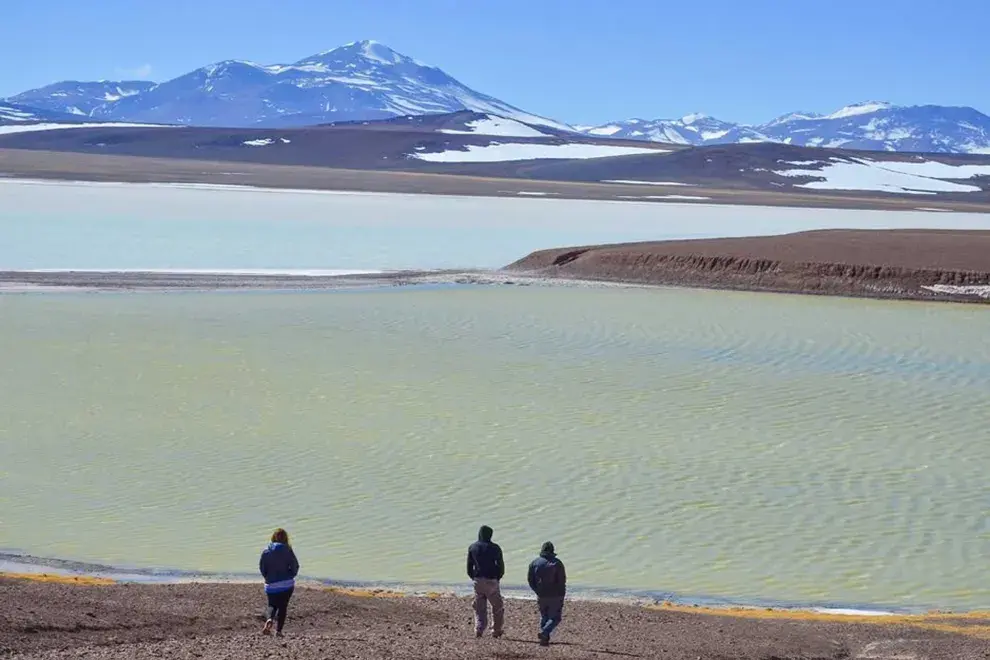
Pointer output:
485, 534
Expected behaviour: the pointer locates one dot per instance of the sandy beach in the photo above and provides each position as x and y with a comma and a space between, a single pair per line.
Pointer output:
78, 617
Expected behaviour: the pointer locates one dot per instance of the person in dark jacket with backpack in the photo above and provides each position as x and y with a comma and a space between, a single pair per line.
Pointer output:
486, 568
548, 579
279, 567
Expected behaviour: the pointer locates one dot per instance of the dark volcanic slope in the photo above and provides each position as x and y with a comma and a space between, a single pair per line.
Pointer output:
42, 620
53, 165
871, 263
741, 166
391, 145
375, 145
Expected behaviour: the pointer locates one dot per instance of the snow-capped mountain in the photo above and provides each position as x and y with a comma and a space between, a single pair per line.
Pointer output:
691, 129
80, 98
873, 125
884, 127
363, 80
366, 80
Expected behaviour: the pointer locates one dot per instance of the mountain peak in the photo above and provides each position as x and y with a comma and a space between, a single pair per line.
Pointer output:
369, 50
693, 117
362, 80
864, 108
793, 116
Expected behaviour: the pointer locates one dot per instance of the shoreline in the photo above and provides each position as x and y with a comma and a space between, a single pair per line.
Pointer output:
201, 280
96, 619
509, 592
44, 569
39, 281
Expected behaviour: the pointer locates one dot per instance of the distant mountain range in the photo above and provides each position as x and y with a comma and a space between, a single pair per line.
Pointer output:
366, 80
873, 126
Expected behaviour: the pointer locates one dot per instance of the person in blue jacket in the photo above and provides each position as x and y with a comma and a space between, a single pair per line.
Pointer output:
548, 579
279, 567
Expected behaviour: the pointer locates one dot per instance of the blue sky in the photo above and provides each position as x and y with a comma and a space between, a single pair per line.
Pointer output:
578, 61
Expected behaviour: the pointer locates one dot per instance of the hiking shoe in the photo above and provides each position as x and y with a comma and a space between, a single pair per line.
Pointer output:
479, 633
279, 634
544, 639
267, 628
496, 635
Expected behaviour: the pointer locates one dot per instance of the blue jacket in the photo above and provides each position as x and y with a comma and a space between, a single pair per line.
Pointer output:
547, 576
279, 567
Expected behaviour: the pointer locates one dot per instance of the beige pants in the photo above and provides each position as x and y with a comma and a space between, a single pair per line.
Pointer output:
487, 591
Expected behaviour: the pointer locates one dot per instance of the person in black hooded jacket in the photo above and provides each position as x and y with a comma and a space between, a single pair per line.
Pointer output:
548, 579
486, 568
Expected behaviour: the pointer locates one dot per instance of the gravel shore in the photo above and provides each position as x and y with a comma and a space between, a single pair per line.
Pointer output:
63, 618
906, 264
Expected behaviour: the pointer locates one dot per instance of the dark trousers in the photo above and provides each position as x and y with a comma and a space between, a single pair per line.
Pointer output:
278, 607
551, 611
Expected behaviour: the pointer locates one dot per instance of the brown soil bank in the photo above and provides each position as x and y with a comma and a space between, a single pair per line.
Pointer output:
869, 263
56, 620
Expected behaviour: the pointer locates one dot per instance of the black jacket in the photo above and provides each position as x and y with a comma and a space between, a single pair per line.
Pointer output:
484, 558
547, 576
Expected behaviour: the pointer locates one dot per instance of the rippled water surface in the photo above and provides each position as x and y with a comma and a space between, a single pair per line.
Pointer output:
738, 445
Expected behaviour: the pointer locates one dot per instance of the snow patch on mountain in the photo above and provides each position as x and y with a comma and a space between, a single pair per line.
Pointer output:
918, 178
491, 125
604, 131
866, 108
265, 142
44, 126
12, 113
498, 152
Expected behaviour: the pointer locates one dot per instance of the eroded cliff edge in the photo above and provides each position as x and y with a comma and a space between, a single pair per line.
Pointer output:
916, 264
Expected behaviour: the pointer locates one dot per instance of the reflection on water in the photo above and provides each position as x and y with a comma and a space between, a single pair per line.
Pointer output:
738, 445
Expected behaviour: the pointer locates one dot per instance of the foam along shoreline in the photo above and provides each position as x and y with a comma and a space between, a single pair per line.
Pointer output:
100, 619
